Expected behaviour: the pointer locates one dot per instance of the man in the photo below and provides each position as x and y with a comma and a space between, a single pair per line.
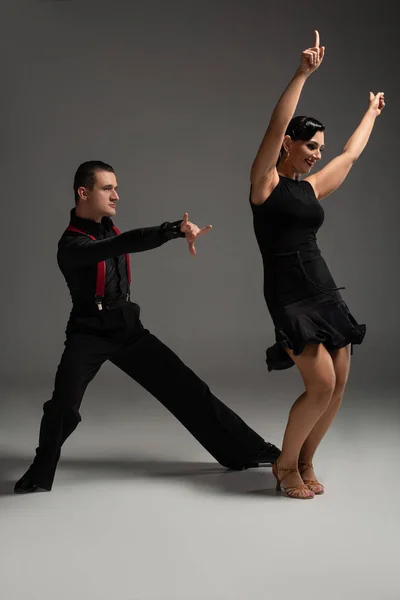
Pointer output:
105, 325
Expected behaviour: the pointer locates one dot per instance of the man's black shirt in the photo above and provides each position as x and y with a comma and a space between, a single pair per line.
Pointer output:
78, 256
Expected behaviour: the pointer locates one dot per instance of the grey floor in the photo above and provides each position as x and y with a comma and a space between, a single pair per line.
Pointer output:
140, 511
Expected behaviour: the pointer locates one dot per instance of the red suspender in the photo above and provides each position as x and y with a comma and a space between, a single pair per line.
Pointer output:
101, 267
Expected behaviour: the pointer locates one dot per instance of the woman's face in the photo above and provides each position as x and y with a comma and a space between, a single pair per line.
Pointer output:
304, 154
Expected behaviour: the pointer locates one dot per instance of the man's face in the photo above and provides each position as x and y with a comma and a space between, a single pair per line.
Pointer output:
102, 199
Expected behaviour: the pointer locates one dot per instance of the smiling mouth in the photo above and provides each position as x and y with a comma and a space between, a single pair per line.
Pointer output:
311, 163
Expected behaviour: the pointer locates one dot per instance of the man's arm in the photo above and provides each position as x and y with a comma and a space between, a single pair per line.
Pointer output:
78, 250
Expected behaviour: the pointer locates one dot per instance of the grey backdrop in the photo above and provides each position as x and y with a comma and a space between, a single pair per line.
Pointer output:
176, 96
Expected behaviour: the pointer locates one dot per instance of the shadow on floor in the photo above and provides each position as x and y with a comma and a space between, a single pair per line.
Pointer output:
206, 476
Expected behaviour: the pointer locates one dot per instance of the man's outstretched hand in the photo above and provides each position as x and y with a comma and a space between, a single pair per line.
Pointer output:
192, 232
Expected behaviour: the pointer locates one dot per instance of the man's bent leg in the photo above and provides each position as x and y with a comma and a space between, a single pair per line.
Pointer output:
220, 430
81, 360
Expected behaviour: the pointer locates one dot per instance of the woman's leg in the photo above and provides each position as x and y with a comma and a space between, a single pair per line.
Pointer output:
341, 365
317, 370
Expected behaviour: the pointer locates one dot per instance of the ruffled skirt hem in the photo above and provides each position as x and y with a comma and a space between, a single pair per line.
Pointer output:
332, 325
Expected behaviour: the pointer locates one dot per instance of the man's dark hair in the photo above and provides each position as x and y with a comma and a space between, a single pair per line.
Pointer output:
85, 175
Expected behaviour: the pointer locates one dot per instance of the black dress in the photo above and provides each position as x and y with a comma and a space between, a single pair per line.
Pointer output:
304, 303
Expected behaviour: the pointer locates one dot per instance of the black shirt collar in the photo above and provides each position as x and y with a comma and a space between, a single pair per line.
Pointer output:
89, 226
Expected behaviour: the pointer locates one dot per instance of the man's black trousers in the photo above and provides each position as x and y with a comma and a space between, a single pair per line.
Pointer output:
119, 336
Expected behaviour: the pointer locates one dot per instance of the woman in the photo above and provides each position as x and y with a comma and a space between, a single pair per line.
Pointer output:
314, 328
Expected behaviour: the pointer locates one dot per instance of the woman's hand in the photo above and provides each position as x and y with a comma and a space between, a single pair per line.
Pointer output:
192, 232
312, 57
376, 103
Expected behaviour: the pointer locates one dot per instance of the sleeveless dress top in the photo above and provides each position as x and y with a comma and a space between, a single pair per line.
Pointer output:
303, 300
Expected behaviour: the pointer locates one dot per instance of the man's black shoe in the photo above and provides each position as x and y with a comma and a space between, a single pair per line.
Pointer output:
26, 485
267, 456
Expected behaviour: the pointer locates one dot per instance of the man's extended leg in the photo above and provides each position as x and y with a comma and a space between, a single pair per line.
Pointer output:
81, 360
221, 431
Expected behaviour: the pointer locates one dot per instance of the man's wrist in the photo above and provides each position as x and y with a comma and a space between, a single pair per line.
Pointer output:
172, 230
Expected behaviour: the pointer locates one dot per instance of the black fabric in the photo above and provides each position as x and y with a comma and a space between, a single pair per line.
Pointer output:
120, 337
288, 219
302, 297
78, 256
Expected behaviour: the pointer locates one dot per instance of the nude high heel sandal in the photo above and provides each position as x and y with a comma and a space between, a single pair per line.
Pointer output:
312, 484
301, 492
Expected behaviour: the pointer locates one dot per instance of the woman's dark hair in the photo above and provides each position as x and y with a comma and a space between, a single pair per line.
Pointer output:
302, 128
85, 176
